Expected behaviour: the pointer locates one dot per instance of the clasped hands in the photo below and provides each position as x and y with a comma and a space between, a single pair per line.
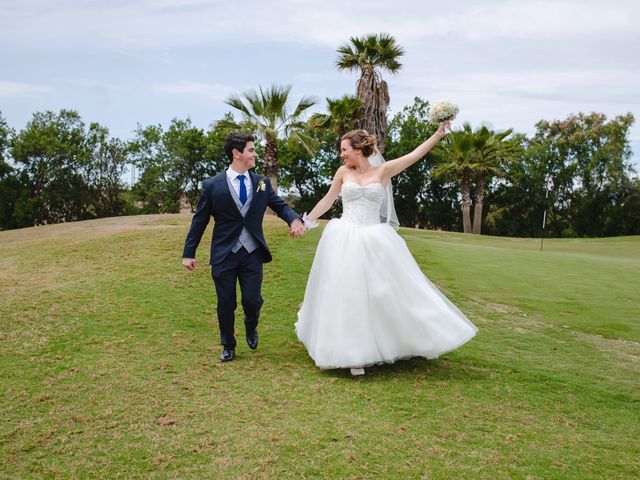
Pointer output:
297, 228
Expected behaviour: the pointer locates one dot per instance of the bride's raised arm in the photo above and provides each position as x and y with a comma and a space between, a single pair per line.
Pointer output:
325, 203
394, 167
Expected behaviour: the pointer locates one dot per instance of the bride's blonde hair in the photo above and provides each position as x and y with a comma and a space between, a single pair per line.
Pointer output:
361, 140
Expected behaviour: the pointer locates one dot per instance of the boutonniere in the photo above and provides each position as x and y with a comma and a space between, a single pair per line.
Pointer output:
261, 186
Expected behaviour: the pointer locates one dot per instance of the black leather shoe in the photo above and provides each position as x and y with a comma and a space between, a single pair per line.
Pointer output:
252, 340
227, 355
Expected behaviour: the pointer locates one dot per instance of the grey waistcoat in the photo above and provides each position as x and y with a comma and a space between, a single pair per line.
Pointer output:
246, 239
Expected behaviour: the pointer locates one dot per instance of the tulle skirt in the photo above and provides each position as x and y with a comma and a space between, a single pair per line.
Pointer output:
367, 302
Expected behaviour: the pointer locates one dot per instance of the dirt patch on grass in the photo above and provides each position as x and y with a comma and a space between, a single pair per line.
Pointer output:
627, 349
519, 322
103, 226
95, 228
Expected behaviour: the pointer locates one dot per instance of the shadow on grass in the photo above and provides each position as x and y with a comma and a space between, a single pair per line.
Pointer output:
436, 369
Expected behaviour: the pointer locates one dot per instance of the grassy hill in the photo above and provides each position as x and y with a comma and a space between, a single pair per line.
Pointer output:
109, 364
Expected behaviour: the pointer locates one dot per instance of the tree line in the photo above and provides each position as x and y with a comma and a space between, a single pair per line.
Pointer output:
59, 169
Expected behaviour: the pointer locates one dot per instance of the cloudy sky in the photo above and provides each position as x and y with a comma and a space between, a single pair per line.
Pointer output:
506, 62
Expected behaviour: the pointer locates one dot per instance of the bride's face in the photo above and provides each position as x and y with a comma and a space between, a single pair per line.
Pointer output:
349, 155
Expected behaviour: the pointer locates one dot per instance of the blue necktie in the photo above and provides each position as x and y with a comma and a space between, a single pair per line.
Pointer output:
243, 189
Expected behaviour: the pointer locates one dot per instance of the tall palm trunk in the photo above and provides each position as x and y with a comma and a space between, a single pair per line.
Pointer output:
479, 202
271, 164
466, 201
374, 96
271, 161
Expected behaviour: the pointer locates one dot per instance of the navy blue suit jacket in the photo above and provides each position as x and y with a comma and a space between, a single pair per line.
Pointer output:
216, 201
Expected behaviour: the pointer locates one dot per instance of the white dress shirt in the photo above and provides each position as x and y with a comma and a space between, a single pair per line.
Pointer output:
232, 174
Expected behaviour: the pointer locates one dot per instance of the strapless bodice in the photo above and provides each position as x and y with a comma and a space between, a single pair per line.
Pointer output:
361, 203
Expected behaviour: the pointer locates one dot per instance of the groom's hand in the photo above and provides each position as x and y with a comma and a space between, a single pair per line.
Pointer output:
190, 263
297, 228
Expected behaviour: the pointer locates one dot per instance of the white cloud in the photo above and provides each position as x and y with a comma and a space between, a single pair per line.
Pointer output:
101, 85
17, 89
508, 61
579, 86
211, 91
534, 19
152, 24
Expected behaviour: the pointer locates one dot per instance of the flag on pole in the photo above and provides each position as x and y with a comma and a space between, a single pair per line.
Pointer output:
544, 216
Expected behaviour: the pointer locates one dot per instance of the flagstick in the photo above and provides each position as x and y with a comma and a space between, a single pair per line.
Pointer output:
544, 217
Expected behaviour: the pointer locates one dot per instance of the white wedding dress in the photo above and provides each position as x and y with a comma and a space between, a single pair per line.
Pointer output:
366, 300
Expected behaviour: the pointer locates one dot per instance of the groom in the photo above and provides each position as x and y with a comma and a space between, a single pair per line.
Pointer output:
237, 200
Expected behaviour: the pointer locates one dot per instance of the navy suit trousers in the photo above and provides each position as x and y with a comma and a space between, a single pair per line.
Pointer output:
246, 269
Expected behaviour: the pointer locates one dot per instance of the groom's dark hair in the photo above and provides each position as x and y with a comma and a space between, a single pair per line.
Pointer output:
236, 141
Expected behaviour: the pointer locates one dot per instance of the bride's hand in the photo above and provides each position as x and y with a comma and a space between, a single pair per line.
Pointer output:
308, 223
445, 127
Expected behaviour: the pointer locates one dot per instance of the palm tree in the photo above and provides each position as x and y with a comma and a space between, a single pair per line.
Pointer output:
480, 154
491, 155
267, 113
343, 115
456, 158
369, 55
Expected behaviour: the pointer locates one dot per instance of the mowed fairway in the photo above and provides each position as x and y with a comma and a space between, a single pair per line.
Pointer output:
109, 364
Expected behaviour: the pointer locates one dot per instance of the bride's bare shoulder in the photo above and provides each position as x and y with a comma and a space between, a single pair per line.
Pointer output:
342, 171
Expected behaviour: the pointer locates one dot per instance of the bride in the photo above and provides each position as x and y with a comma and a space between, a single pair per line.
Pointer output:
366, 300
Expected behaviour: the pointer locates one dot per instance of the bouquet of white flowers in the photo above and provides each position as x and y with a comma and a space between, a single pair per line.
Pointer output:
442, 110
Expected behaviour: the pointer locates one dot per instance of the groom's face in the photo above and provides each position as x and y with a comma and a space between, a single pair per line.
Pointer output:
247, 158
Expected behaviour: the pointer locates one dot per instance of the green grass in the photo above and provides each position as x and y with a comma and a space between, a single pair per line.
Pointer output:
108, 363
